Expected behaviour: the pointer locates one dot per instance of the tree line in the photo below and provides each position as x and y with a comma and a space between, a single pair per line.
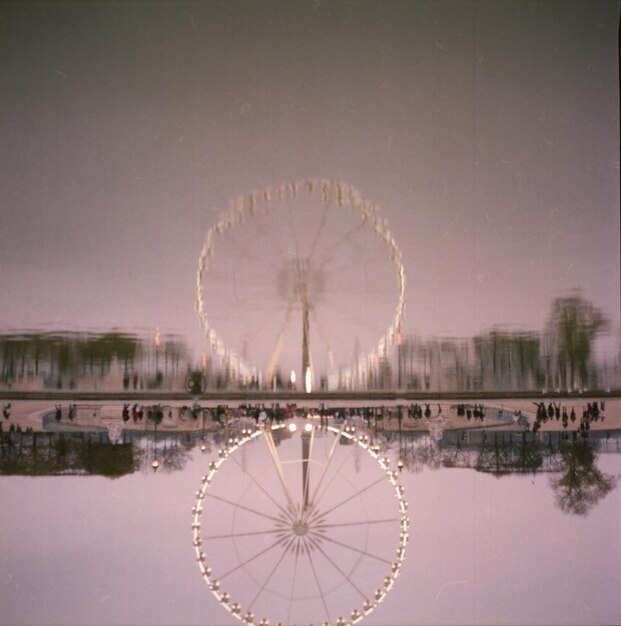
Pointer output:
560, 357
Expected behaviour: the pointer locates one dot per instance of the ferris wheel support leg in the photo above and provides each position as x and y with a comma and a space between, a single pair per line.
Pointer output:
313, 497
271, 366
307, 453
306, 353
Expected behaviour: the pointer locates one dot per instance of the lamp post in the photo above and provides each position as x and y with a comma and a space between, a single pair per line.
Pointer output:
398, 360
400, 418
155, 463
203, 446
157, 354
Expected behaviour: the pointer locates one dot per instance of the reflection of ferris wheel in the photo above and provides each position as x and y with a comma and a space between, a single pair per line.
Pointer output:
304, 260
300, 538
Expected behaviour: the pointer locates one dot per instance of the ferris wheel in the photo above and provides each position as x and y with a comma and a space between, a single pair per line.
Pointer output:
303, 276
302, 531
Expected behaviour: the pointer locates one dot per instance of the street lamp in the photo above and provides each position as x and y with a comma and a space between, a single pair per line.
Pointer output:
400, 418
308, 380
203, 446
156, 340
155, 463
399, 358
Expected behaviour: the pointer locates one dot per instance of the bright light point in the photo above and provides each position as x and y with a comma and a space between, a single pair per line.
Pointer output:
308, 427
308, 380
292, 378
292, 428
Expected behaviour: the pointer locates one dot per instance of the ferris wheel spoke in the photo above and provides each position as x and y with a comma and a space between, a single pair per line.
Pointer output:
254, 557
268, 578
321, 591
261, 488
336, 566
335, 242
321, 526
340, 264
244, 508
271, 446
326, 465
271, 366
334, 477
368, 281
307, 471
355, 495
294, 234
320, 229
373, 279
356, 550
352, 318
322, 336
248, 264
294, 578
275, 243
344, 247
271, 531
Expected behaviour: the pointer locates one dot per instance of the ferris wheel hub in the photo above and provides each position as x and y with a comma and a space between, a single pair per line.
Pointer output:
300, 527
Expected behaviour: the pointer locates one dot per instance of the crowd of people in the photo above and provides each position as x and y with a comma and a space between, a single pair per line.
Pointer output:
592, 412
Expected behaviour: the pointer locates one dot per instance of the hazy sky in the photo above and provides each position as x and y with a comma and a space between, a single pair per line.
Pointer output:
488, 132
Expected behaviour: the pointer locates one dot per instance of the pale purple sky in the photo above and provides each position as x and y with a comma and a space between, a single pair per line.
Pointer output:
488, 132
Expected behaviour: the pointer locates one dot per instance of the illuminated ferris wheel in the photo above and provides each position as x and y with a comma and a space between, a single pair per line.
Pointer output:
303, 276
310, 528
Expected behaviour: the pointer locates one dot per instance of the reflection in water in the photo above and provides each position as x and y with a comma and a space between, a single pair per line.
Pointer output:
581, 484
560, 357
577, 483
575, 479
462, 519
52, 454
307, 525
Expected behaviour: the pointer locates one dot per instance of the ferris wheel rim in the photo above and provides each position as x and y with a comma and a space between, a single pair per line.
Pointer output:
361, 442
249, 205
